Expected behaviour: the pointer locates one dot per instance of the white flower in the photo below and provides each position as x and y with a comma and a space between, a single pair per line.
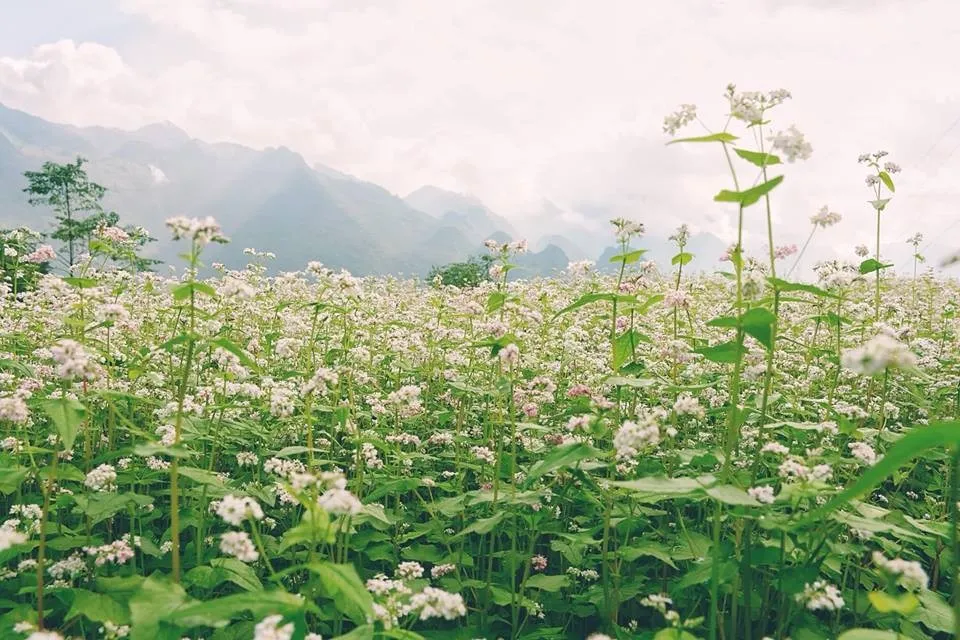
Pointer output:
409, 570
877, 354
910, 574
821, 596
234, 510
763, 495
686, 114
825, 218
510, 354
238, 545
339, 501
633, 437
269, 629
863, 452
103, 478
437, 603
792, 144
11, 538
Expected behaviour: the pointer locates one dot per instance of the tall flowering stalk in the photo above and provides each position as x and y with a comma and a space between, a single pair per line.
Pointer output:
750, 108
198, 233
877, 180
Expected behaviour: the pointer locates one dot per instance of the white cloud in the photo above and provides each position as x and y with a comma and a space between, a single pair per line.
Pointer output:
159, 177
520, 101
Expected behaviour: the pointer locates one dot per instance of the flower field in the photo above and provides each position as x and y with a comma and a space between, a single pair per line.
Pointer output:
643, 454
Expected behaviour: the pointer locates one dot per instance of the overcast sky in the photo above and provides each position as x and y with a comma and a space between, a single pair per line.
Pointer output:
517, 101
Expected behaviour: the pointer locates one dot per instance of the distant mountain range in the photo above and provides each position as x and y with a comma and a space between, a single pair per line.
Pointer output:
272, 200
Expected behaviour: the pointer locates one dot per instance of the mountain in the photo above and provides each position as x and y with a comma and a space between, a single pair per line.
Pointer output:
570, 248
270, 199
550, 261
460, 211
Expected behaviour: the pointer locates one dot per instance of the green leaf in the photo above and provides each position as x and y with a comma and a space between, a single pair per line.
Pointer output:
66, 415
220, 611
938, 435
624, 346
547, 583
783, 285
363, 632
654, 488
757, 158
880, 204
484, 525
155, 599
341, 583
870, 265
750, 196
11, 478
495, 300
722, 136
887, 181
758, 323
96, 607
674, 634
628, 258
237, 572
562, 457
729, 494
934, 612
202, 476
183, 291
868, 634
82, 283
725, 352
589, 298
681, 258
652, 549
232, 347
100, 506
903, 604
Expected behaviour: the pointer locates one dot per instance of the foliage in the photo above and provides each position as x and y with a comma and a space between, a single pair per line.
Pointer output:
467, 274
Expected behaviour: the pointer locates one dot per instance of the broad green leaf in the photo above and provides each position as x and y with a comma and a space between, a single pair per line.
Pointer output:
728, 494
934, 612
870, 265
244, 357
363, 632
722, 136
758, 323
726, 352
589, 298
484, 525
625, 381
628, 258
681, 258
97, 607
938, 435
495, 300
652, 549
342, 584
202, 476
157, 597
66, 415
183, 291
547, 583
11, 478
757, 158
82, 283
220, 611
674, 634
100, 506
902, 604
783, 285
654, 488
560, 458
750, 196
880, 204
887, 181
237, 572
868, 634
624, 346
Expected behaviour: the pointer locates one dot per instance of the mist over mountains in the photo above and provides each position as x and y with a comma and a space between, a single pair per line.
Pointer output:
273, 200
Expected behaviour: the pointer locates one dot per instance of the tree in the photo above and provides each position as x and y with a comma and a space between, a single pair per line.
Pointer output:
70, 193
463, 274
22, 260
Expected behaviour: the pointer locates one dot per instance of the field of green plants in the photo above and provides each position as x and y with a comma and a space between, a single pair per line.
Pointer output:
653, 454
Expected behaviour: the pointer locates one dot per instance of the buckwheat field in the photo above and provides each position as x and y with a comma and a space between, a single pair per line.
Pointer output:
742, 453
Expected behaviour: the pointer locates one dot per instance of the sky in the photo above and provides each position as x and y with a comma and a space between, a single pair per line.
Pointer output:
522, 102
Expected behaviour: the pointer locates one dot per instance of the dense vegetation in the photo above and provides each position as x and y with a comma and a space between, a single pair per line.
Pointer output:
640, 455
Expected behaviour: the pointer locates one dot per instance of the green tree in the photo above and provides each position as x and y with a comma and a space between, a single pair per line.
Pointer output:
67, 190
463, 274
